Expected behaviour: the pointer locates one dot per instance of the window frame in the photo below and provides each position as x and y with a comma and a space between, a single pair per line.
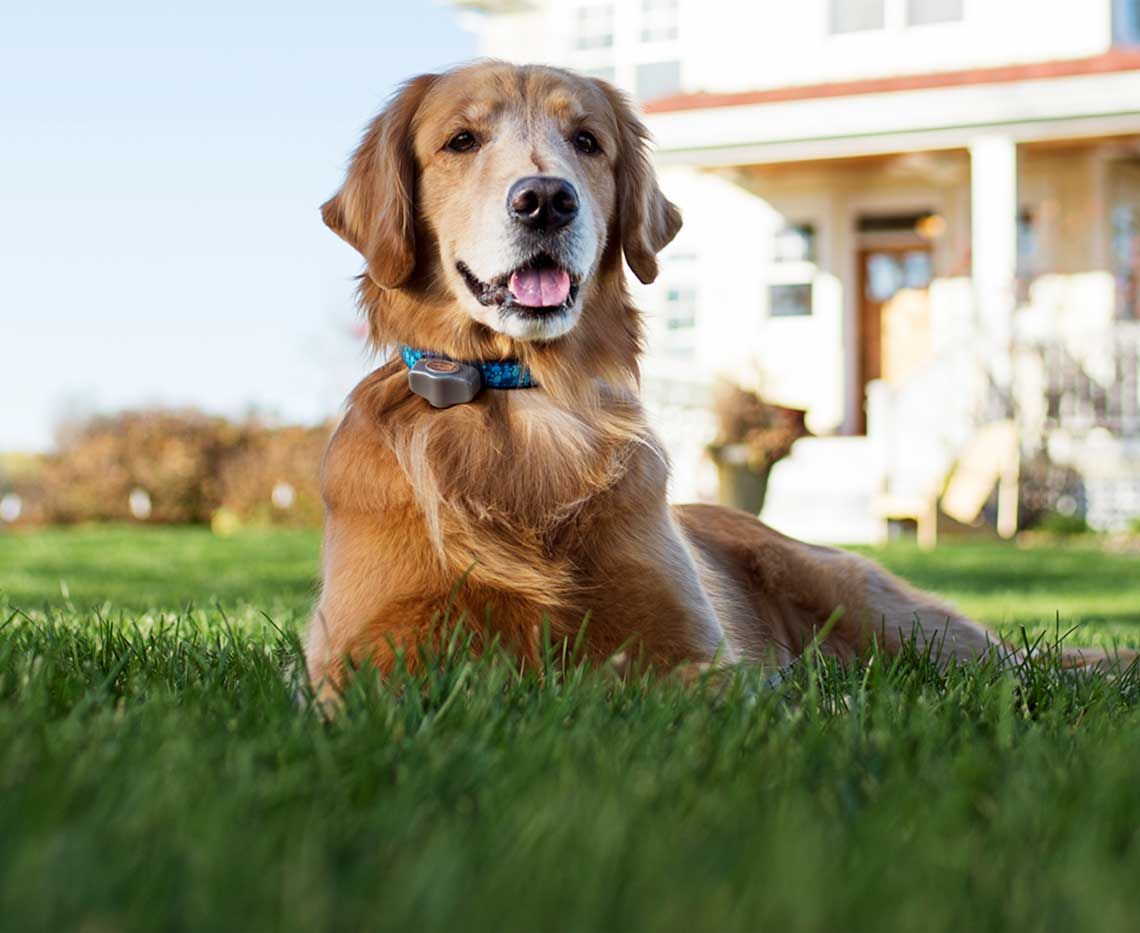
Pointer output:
786, 272
653, 13
833, 16
679, 275
911, 23
589, 37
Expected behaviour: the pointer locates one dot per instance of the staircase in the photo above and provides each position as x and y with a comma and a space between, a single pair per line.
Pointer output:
824, 492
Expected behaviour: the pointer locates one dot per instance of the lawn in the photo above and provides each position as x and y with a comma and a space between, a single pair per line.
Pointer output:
157, 772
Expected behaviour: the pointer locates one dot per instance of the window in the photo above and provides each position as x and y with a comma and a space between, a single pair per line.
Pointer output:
1026, 237
658, 20
658, 79
922, 12
795, 243
918, 269
1028, 244
792, 300
680, 308
1126, 21
680, 321
792, 270
1126, 260
856, 15
595, 27
888, 272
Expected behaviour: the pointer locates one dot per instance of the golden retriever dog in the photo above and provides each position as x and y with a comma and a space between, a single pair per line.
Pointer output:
493, 206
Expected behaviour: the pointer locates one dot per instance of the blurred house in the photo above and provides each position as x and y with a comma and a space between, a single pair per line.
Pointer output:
913, 218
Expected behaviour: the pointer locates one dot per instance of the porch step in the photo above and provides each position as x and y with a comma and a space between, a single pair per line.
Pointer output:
825, 491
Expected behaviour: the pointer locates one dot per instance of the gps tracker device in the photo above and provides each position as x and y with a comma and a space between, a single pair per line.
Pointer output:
444, 382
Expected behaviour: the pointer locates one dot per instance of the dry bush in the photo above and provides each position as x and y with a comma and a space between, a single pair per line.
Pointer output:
189, 464
767, 431
269, 457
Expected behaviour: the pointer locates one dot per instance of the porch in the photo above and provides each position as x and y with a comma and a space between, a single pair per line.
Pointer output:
906, 299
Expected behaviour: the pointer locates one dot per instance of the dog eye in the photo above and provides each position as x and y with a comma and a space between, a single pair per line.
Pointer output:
586, 142
462, 142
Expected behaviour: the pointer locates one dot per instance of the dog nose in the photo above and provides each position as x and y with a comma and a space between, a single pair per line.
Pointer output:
542, 202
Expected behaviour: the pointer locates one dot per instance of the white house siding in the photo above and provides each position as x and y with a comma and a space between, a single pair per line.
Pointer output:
726, 45
774, 43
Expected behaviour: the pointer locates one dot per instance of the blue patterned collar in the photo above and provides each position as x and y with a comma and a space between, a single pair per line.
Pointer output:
499, 374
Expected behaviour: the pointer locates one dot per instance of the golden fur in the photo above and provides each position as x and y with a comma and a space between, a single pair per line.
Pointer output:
548, 503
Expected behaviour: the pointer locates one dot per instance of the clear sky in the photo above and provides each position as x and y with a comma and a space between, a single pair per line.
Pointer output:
161, 166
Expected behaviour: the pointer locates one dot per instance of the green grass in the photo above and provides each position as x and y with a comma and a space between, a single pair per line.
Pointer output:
157, 773
142, 569
1095, 592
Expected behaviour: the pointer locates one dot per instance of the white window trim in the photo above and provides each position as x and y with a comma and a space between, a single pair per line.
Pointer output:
894, 22
679, 272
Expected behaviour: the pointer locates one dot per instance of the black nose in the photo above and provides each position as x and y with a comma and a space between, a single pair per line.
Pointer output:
542, 202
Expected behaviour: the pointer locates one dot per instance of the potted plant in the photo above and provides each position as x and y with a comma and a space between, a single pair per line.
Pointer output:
752, 435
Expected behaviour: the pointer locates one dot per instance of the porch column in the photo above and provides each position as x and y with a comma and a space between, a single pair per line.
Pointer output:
993, 247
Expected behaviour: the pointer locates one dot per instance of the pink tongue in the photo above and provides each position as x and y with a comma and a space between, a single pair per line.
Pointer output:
540, 288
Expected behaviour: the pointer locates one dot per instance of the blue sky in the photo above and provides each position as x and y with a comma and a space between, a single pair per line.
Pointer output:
161, 166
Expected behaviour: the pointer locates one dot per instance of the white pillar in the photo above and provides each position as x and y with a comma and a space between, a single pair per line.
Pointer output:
993, 179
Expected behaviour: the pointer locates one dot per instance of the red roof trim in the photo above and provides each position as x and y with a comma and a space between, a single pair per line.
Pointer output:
1114, 60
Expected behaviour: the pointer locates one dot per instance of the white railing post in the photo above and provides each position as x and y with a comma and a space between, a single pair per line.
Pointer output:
993, 180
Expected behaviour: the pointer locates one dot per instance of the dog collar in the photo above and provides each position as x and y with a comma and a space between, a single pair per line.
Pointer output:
445, 382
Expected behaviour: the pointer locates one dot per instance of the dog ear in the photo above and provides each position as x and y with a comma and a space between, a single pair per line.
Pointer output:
374, 211
648, 221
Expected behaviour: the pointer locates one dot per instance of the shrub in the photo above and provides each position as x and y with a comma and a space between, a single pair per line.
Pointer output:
286, 460
765, 432
1058, 523
1052, 496
177, 466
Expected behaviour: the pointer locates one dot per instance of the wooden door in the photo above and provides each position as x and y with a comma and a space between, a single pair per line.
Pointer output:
894, 315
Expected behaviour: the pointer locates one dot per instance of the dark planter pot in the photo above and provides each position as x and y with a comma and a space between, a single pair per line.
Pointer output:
739, 485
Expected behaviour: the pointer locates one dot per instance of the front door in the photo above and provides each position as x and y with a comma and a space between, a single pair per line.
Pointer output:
894, 316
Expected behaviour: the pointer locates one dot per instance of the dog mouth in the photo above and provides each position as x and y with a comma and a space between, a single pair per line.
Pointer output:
539, 286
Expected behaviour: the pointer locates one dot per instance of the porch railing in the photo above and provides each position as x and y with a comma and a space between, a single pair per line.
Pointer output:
1080, 397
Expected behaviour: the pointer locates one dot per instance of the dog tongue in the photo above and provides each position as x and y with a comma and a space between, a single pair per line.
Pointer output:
540, 288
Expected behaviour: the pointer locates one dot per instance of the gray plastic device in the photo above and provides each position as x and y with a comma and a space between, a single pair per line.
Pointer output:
444, 382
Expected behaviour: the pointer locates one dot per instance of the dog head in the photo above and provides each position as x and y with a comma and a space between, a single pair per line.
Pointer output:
501, 198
